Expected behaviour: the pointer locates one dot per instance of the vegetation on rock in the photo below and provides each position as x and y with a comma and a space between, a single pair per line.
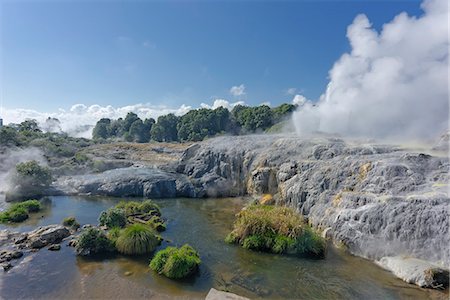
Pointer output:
137, 239
71, 222
18, 212
113, 217
176, 263
275, 229
93, 241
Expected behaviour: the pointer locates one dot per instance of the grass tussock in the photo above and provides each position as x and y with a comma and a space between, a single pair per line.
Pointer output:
71, 222
136, 239
19, 212
275, 229
176, 263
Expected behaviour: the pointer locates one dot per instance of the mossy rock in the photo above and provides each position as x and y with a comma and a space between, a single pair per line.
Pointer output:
176, 263
18, 212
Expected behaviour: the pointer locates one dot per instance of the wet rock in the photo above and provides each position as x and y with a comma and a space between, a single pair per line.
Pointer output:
6, 266
54, 247
416, 271
72, 243
46, 235
7, 255
214, 294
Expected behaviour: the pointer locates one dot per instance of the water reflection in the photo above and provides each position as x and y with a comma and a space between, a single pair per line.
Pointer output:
203, 223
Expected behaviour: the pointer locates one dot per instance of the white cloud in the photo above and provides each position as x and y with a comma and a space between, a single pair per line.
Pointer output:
299, 100
77, 119
222, 103
238, 91
392, 84
291, 91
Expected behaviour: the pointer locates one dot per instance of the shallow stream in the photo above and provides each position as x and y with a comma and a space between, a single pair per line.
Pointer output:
203, 223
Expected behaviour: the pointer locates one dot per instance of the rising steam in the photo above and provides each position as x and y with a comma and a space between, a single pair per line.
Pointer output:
393, 84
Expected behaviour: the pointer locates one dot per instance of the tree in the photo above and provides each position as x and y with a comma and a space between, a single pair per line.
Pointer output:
280, 113
138, 132
31, 173
165, 130
102, 129
129, 120
30, 126
9, 136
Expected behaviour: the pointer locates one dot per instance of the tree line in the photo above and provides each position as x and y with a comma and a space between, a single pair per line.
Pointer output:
195, 125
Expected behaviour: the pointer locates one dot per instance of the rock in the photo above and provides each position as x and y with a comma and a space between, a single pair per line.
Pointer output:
7, 255
416, 271
72, 243
214, 294
6, 266
54, 247
21, 239
46, 235
128, 273
129, 182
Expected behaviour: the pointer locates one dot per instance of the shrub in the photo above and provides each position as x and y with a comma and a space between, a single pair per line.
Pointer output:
113, 217
71, 222
33, 174
93, 241
176, 263
18, 212
275, 229
137, 239
135, 207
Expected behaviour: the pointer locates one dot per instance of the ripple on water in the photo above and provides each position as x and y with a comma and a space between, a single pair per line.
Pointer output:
203, 223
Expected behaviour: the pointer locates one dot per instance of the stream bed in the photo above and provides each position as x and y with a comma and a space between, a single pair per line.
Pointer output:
203, 223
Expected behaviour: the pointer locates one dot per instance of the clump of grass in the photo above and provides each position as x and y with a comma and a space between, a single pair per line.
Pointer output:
137, 239
113, 234
113, 217
19, 212
176, 263
275, 229
93, 241
71, 222
135, 207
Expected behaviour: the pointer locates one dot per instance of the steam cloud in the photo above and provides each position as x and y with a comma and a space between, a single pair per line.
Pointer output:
393, 84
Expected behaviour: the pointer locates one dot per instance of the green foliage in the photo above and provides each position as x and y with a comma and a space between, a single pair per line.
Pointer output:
137, 239
71, 222
9, 136
31, 173
135, 207
102, 129
275, 229
113, 234
29, 126
18, 212
113, 217
165, 130
176, 263
93, 241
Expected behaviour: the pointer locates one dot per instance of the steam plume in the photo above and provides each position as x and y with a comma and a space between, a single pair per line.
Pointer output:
393, 84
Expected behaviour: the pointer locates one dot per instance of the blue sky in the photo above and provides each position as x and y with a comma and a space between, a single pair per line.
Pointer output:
56, 53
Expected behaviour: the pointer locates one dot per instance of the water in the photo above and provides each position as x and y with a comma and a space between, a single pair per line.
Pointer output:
203, 223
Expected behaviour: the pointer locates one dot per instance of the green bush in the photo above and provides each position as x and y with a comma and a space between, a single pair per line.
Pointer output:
93, 241
71, 222
137, 239
113, 217
135, 207
18, 212
176, 263
275, 229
